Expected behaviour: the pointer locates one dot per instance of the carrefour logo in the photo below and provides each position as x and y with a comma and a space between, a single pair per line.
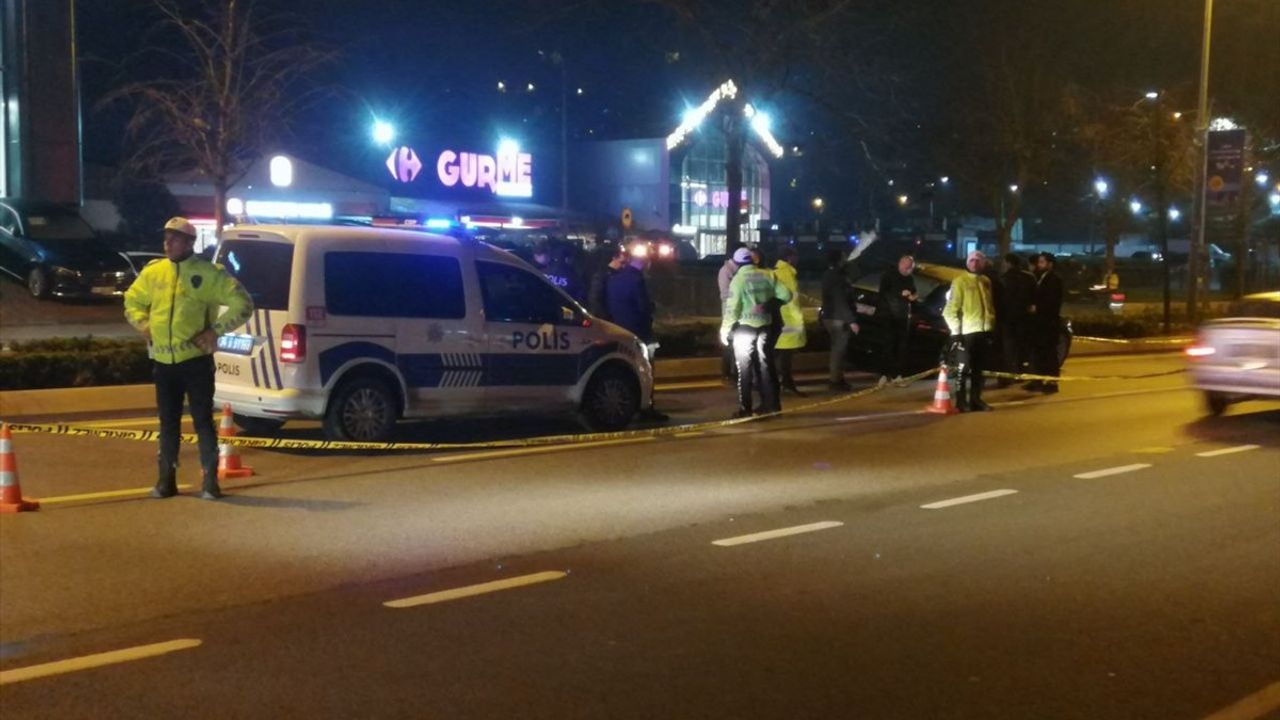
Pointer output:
508, 173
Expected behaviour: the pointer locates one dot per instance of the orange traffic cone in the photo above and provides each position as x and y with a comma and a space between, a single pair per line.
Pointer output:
229, 455
942, 396
11, 500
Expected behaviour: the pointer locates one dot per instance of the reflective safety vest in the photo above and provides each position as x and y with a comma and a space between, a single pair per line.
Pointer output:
176, 301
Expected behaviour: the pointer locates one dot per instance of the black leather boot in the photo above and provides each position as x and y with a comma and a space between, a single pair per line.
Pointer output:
167, 484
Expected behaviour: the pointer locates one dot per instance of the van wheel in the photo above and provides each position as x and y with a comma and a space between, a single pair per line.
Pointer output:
610, 400
256, 425
38, 283
362, 410
1216, 402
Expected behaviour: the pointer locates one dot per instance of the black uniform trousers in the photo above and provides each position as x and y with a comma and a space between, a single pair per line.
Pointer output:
754, 359
895, 349
1046, 346
972, 361
193, 379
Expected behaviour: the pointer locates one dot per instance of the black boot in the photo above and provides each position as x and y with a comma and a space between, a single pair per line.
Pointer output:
167, 484
210, 490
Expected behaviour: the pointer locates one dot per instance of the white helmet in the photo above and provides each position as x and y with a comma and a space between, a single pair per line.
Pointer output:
180, 225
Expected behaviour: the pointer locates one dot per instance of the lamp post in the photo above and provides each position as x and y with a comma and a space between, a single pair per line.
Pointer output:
1194, 260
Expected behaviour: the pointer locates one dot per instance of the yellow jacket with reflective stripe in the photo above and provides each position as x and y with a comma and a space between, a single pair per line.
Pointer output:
177, 301
792, 337
970, 308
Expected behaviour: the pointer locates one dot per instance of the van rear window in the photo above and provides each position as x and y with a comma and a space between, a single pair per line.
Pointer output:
264, 268
373, 284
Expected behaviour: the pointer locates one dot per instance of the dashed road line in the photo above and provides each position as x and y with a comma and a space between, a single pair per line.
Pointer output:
1107, 472
88, 662
966, 499
473, 590
1253, 707
1227, 451
779, 533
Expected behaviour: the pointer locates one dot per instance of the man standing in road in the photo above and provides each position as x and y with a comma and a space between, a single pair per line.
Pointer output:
174, 304
971, 315
897, 292
1046, 311
627, 296
837, 316
1017, 286
597, 299
746, 326
728, 373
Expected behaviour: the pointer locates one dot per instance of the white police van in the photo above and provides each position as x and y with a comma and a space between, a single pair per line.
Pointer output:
360, 326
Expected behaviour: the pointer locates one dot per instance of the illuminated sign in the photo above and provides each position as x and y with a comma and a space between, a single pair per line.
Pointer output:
404, 164
718, 198
284, 210
509, 174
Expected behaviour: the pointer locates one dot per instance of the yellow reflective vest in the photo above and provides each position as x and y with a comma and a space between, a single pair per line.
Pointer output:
176, 301
970, 308
792, 337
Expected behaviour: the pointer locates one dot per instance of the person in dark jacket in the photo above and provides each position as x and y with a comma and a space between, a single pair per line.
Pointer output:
1046, 312
627, 296
1013, 311
897, 292
837, 315
609, 259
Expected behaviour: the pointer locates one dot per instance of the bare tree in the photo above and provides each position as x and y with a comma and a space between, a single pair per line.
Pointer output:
225, 83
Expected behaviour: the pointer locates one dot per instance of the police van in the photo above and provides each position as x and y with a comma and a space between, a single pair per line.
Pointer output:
361, 326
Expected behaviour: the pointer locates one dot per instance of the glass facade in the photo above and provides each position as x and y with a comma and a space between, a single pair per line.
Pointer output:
700, 194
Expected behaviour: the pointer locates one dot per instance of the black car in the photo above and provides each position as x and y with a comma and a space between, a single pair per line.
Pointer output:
929, 333
55, 252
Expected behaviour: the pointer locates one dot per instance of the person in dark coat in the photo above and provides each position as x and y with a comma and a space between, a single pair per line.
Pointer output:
1046, 312
897, 292
609, 259
627, 296
1013, 312
837, 315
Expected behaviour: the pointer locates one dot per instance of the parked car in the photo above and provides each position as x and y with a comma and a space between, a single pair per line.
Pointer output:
51, 249
929, 333
1238, 358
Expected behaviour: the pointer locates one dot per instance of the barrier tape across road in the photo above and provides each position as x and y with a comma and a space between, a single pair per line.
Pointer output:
298, 444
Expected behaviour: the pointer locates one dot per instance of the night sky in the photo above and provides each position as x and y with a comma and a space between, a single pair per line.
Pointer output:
864, 97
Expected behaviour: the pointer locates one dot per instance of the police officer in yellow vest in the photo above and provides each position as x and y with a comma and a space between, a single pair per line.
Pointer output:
971, 315
174, 303
746, 326
792, 337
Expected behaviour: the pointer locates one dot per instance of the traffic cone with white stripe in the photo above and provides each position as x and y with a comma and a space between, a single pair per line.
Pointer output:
942, 404
11, 500
229, 455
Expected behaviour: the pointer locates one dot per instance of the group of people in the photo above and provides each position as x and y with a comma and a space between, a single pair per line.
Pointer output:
1020, 312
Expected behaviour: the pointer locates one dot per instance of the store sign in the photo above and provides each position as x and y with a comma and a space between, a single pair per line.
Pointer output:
719, 199
404, 164
508, 174
1224, 184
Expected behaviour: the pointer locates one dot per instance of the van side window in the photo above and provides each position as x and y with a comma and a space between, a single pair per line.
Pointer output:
376, 284
515, 295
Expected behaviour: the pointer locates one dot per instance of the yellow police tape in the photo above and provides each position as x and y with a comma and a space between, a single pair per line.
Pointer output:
290, 444
1136, 341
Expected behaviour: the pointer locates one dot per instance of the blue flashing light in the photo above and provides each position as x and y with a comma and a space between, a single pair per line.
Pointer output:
439, 223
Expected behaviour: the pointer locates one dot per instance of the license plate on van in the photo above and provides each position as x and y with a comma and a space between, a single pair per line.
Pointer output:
236, 344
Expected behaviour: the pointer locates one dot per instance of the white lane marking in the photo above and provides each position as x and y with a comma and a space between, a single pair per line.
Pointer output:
1253, 707
472, 590
1228, 451
967, 499
1105, 472
781, 532
89, 662
489, 454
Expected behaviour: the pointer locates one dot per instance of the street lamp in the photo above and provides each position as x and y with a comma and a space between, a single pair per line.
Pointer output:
1013, 188
818, 204
383, 132
902, 200
1262, 178
1174, 214
1101, 187
1135, 206
944, 179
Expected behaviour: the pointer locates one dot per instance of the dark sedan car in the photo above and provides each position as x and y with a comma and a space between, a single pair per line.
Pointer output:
929, 333
54, 252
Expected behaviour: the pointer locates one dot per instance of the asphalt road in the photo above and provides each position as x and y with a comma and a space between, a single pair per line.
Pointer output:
1130, 592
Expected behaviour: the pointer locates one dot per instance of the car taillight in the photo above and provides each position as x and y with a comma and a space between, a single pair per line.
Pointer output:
1117, 297
1199, 351
293, 343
